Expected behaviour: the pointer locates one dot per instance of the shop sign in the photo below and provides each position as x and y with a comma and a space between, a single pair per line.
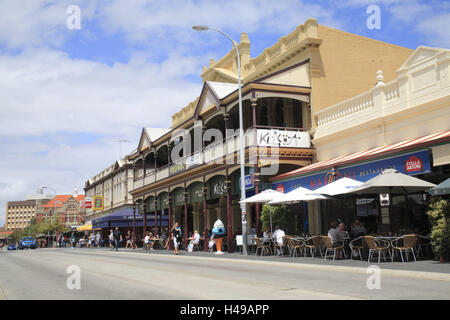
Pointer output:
280, 188
193, 160
217, 187
363, 172
249, 181
413, 164
98, 202
195, 192
178, 197
163, 201
88, 202
151, 204
281, 138
176, 168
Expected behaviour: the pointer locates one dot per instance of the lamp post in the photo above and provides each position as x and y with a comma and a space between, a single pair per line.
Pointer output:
241, 136
54, 207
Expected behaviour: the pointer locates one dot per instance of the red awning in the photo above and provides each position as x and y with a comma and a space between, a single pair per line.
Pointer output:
372, 153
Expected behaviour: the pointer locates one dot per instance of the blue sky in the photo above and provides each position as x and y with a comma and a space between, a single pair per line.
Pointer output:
69, 95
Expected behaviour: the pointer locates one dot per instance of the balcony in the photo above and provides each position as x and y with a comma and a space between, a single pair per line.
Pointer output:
261, 137
423, 78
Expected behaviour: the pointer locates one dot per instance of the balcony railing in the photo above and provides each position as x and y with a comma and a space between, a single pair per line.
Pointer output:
261, 136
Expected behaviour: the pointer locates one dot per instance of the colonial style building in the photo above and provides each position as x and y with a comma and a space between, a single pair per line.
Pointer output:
114, 185
403, 124
284, 90
68, 209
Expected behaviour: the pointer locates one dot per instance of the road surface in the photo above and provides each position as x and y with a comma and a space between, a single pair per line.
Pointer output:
104, 274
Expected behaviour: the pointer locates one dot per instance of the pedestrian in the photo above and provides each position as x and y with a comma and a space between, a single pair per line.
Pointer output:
72, 240
97, 239
117, 236
147, 241
128, 238
176, 236
111, 239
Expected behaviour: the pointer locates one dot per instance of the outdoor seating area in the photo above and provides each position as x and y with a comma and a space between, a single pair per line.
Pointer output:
370, 248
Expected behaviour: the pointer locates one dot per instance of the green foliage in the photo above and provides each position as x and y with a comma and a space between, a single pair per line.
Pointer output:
439, 214
281, 216
16, 235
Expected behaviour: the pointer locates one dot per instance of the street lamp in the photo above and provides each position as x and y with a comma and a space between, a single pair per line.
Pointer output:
54, 191
241, 135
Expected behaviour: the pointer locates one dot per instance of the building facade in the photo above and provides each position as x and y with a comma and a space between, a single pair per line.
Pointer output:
402, 124
19, 214
191, 171
68, 210
114, 185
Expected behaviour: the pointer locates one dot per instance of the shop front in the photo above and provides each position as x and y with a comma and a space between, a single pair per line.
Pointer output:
409, 211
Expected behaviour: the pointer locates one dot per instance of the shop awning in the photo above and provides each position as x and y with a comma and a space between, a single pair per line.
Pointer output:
87, 227
368, 154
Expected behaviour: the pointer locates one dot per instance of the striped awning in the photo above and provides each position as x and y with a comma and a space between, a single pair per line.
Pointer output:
368, 154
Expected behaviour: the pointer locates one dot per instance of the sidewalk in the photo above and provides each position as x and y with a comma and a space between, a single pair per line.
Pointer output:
420, 266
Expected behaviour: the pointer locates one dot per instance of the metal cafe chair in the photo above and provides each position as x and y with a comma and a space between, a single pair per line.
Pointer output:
262, 247
314, 243
356, 244
295, 245
424, 244
409, 243
379, 246
329, 247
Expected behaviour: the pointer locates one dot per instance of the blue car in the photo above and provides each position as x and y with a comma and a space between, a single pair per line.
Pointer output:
12, 246
27, 242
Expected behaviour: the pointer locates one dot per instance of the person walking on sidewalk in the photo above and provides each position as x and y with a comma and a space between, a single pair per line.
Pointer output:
176, 236
116, 235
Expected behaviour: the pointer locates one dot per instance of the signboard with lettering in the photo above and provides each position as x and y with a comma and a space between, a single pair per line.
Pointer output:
163, 201
98, 202
178, 197
195, 192
282, 138
217, 187
411, 164
88, 202
193, 160
176, 168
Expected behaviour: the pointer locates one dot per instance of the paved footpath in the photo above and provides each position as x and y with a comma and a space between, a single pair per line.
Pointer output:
128, 274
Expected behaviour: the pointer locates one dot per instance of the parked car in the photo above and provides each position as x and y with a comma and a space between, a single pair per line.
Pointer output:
12, 246
27, 242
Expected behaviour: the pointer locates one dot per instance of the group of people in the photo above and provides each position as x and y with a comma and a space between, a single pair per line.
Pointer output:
338, 233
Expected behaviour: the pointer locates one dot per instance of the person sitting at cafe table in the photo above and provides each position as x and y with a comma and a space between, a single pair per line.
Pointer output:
278, 235
358, 229
336, 237
341, 230
195, 239
267, 235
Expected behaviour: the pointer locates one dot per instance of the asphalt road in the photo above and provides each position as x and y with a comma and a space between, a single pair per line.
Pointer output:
104, 274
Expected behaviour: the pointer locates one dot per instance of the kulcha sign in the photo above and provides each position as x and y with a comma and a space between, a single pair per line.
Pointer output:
280, 138
217, 187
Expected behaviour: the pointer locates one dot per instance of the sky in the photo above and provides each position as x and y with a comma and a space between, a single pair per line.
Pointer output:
71, 88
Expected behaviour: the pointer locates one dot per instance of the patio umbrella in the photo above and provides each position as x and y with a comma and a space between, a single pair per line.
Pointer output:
392, 181
441, 189
341, 186
264, 197
298, 195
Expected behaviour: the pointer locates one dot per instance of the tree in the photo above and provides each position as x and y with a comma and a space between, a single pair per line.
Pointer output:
439, 214
281, 216
16, 235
